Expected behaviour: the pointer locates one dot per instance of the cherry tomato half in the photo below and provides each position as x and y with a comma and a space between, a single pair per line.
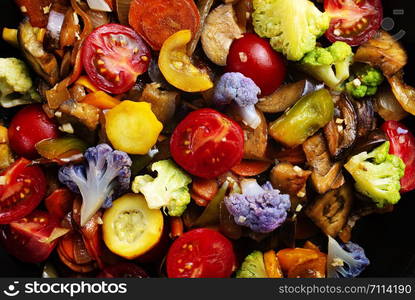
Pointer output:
201, 253
28, 127
24, 188
114, 56
123, 270
254, 57
207, 143
353, 21
25, 238
156, 20
402, 144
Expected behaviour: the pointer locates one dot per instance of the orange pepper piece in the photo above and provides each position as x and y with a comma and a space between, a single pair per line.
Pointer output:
272, 265
87, 83
292, 257
101, 100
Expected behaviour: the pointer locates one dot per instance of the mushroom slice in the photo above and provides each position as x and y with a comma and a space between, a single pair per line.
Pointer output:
220, 29
330, 211
284, 97
341, 132
325, 174
405, 94
384, 52
387, 106
43, 63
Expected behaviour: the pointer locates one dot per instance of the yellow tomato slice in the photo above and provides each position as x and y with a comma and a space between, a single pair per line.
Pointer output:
130, 228
177, 68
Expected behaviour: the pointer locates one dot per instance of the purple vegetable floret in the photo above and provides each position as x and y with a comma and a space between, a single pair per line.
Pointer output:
263, 209
234, 86
105, 176
345, 260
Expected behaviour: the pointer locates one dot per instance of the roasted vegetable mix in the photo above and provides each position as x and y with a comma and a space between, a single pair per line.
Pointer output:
194, 139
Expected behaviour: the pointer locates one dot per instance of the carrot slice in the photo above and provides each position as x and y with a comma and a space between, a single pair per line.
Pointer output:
101, 100
205, 188
156, 20
176, 227
272, 265
251, 167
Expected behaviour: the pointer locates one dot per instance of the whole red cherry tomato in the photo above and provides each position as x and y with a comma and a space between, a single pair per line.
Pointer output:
201, 253
207, 143
113, 56
23, 188
254, 57
26, 238
402, 144
28, 127
353, 21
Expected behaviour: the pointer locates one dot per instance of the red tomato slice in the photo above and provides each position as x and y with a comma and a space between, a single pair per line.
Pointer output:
114, 56
402, 144
353, 21
123, 270
207, 143
156, 20
24, 238
201, 253
24, 188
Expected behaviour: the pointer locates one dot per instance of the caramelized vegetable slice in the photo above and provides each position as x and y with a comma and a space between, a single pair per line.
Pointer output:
404, 93
331, 211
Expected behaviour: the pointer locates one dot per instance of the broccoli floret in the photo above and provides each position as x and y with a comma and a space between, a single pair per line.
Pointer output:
16, 86
105, 176
330, 65
168, 190
346, 260
292, 26
253, 266
364, 82
377, 174
242, 90
262, 209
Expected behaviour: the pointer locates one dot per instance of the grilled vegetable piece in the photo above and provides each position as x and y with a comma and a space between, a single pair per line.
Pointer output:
6, 158
331, 211
292, 26
377, 174
253, 266
168, 190
387, 105
345, 260
383, 52
263, 209
84, 113
341, 132
105, 176
308, 115
405, 94
16, 86
163, 103
42, 62
365, 116
219, 30
330, 65
325, 175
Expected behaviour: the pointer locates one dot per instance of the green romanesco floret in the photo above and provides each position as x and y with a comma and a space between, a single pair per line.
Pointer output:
253, 266
292, 26
364, 82
377, 174
16, 86
330, 65
168, 190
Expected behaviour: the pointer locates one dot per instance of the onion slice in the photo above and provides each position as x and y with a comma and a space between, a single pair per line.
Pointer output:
100, 5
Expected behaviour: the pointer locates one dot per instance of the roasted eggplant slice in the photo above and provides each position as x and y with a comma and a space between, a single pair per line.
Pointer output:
384, 52
330, 211
365, 113
43, 63
341, 132
325, 175
367, 143
285, 96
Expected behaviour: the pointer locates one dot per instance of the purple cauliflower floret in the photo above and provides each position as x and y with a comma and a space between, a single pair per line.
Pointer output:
243, 91
345, 260
105, 176
263, 209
